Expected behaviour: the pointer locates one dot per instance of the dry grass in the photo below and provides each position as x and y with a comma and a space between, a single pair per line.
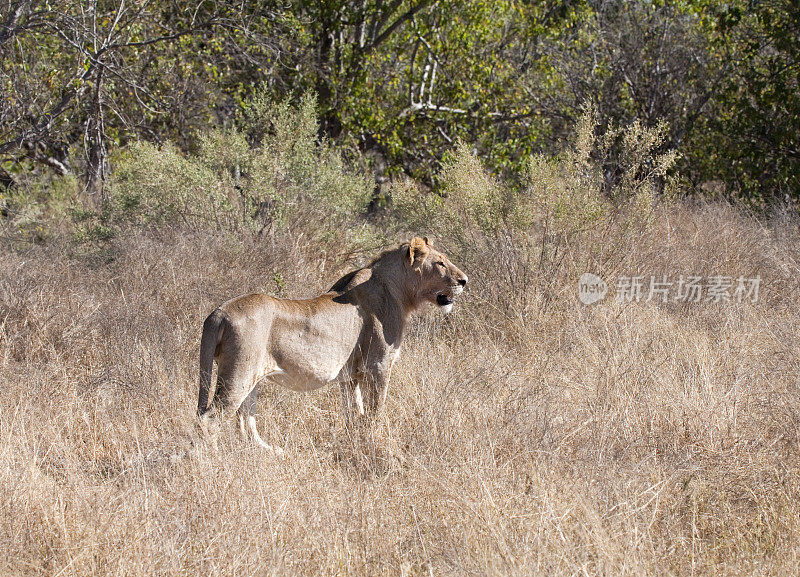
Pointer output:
540, 436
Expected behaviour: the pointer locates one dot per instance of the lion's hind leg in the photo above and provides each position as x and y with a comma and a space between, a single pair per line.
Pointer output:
207, 429
247, 423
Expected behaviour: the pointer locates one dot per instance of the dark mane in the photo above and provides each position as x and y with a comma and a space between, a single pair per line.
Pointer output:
341, 284
344, 283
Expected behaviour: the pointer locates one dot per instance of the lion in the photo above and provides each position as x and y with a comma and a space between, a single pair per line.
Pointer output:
350, 335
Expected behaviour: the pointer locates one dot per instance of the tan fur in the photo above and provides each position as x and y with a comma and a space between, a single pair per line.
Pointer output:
351, 334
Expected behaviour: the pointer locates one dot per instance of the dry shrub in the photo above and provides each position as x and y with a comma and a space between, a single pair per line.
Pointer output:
269, 174
560, 196
537, 436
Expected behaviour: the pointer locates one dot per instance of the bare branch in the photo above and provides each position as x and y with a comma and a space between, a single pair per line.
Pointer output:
46, 123
11, 25
389, 30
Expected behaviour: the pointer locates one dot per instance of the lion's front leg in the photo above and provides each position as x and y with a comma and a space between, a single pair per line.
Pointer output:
375, 391
363, 396
352, 402
367, 432
376, 377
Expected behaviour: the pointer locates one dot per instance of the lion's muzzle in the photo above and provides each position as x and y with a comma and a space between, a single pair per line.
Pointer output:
443, 300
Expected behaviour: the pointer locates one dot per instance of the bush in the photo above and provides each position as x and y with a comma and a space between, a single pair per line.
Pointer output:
564, 195
303, 173
269, 172
469, 201
159, 185
37, 204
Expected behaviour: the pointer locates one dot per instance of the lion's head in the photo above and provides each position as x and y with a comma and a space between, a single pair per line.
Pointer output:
438, 279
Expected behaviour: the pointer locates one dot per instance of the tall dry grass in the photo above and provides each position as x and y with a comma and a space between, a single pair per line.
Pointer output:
538, 436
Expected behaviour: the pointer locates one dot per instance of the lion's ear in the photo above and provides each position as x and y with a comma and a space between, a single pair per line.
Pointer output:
417, 249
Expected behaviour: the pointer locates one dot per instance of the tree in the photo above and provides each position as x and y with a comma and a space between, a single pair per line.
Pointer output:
86, 73
408, 78
752, 137
433, 74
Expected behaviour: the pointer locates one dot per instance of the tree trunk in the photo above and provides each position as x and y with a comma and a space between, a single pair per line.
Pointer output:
97, 161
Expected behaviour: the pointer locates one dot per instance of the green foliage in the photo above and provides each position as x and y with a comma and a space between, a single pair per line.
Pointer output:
287, 173
562, 195
39, 204
303, 172
469, 201
474, 197
408, 79
748, 140
565, 193
155, 185
446, 80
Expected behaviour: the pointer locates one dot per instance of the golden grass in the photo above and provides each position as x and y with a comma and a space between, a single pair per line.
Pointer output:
539, 436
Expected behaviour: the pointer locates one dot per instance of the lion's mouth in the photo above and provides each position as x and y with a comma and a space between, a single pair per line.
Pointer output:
443, 300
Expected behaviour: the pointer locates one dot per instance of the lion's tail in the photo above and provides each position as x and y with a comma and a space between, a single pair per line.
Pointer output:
212, 335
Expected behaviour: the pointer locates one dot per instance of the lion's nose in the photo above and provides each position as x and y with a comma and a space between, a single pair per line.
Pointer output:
462, 281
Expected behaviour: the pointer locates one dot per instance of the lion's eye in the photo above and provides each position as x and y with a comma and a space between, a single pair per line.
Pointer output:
440, 263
